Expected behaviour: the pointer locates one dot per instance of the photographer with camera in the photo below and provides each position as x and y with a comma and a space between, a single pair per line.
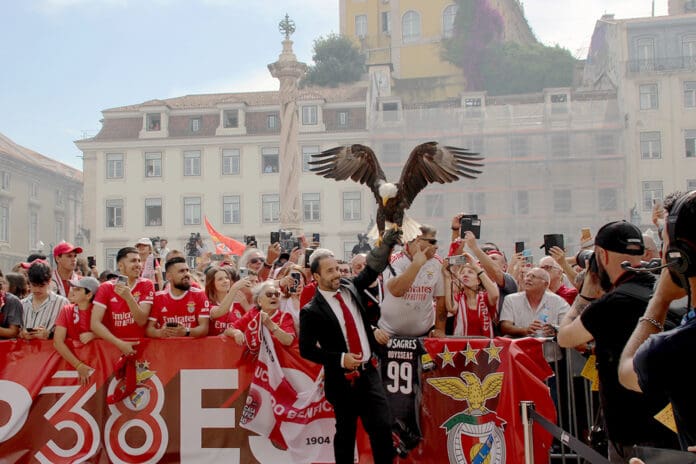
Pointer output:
655, 361
608, 307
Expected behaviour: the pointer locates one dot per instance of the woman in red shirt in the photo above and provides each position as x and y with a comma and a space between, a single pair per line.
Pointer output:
472, 297
222, 287
73, 323
266, 312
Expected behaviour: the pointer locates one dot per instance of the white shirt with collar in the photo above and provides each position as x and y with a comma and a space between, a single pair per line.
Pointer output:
338, 312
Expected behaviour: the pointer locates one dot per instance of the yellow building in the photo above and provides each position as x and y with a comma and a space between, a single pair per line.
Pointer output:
408, 35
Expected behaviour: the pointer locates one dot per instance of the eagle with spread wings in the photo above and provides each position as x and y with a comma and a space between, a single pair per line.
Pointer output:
428, 163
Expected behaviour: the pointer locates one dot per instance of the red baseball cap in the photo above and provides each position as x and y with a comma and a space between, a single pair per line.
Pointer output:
65, 247
28, 265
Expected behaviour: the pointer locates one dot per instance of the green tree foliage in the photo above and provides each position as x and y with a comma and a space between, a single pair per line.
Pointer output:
502, 68
337, 60
511, 68
476, 26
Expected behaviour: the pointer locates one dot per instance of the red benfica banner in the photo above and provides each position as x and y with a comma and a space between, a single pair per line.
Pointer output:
191, 396
472, 389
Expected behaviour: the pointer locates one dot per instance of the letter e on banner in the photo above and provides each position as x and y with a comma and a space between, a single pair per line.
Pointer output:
194, 418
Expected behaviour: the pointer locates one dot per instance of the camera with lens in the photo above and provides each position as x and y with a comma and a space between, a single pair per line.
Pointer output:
586, 260
403, 438
250, 241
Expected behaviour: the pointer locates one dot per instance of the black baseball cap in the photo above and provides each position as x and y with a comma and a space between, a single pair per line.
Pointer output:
621, 237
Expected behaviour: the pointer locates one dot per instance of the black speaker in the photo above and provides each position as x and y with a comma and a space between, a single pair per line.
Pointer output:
680, 255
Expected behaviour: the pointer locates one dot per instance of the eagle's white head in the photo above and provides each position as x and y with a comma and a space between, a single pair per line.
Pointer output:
387, 191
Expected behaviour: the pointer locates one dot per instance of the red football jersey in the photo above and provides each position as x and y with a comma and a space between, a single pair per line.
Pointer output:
184, 310
74, 320
117, 317
250, 325
218, 326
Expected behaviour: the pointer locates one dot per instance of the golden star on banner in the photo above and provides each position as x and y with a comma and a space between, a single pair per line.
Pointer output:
447, 357
493, 352
469, 354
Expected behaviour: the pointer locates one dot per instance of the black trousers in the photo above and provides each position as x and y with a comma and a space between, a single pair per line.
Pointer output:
367, 400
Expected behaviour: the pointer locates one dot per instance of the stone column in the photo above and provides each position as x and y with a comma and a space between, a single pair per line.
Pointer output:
289, 71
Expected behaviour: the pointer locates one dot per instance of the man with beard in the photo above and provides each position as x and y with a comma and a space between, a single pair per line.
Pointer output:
607, 309
181, 310
335, 332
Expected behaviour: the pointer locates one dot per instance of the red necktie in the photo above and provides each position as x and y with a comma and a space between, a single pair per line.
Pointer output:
354, 345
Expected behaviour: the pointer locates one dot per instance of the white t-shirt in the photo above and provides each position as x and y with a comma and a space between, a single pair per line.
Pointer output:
412, 314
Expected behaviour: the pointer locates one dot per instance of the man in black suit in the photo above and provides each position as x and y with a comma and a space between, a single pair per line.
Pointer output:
335, 332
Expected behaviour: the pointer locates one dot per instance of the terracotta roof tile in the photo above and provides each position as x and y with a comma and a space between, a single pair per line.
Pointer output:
120, 129
346, 93
11, 149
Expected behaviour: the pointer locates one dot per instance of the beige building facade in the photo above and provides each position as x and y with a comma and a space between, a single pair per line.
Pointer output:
554, 164
158, 169
651, 63
40, 204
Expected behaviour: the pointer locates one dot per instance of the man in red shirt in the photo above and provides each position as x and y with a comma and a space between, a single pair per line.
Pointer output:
65, 256
121, 307
181, 310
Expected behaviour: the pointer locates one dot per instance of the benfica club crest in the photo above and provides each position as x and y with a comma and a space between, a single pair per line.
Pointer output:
476, 434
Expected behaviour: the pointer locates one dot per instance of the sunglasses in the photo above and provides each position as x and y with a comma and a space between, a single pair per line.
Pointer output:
256, 260
432, 241
275, 294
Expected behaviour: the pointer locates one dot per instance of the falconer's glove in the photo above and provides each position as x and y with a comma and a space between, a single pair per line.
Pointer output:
378, 258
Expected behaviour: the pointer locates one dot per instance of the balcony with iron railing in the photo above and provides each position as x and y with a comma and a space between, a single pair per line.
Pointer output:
658, 65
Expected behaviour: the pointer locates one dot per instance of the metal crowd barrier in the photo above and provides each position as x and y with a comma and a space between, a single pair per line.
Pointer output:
568, 413
529, 415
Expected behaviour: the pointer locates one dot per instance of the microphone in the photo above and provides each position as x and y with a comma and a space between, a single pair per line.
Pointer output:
647, 266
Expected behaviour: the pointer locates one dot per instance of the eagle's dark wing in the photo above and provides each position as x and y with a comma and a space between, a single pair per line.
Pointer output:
431, 162
356, 162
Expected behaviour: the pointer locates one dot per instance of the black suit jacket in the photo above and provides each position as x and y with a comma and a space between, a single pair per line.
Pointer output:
321, 337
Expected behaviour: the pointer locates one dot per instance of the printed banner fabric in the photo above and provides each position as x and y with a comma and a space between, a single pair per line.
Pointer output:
208, 400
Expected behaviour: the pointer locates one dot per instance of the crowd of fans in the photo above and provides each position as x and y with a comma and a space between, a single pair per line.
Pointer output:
575, 299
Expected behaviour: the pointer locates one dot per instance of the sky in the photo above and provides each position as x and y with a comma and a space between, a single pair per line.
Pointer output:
64, 61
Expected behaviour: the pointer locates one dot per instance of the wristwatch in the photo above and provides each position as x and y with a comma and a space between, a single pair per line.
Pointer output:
188, 331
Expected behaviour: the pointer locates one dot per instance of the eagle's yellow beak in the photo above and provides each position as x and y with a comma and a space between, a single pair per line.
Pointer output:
384, 201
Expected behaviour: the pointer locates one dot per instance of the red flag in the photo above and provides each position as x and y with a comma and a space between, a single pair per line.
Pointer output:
234, 247
472, 389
